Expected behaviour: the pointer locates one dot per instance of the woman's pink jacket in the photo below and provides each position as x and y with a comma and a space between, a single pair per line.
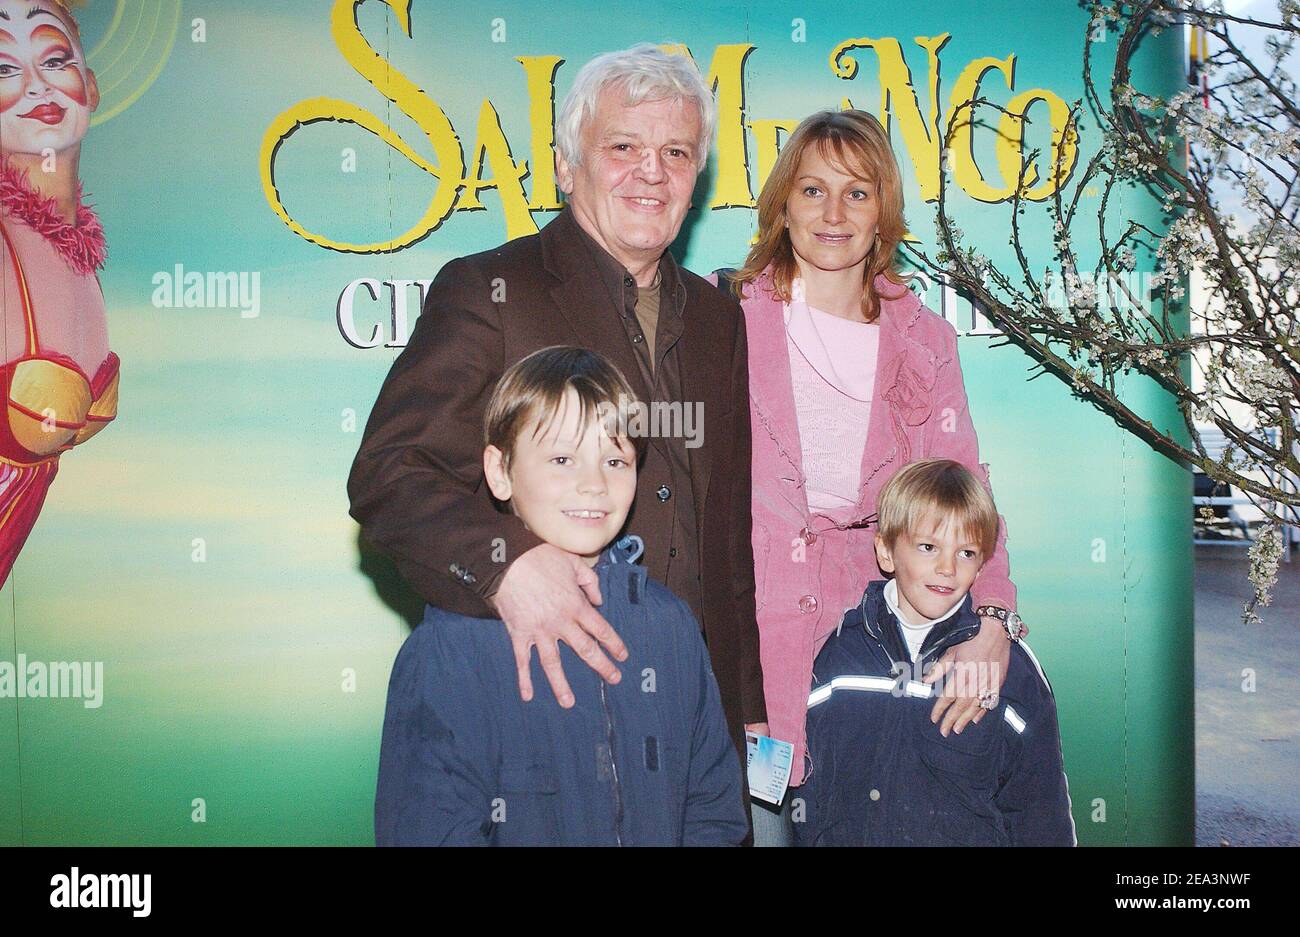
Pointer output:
809, 571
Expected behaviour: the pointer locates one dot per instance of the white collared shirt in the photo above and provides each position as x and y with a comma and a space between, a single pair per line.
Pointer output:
915, 634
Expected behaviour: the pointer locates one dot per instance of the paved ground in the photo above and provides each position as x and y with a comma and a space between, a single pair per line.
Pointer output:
1247, 743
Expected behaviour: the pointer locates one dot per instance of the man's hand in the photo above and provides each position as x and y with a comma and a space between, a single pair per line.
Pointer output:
984, 660
758, 728
546, 596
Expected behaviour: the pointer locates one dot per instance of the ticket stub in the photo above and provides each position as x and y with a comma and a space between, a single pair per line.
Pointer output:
768, 762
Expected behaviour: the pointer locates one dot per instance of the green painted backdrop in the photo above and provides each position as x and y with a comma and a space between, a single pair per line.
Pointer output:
201, 549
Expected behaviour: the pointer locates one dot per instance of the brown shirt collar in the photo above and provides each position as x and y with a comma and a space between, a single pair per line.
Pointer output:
615, 276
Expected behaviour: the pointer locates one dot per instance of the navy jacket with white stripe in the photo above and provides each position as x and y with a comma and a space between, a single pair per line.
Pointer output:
883, 775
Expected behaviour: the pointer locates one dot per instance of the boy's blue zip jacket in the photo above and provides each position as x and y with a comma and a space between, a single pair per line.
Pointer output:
647, 761
883, 775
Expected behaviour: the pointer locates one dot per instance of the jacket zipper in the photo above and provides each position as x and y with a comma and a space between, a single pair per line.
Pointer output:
936, 651
613, 767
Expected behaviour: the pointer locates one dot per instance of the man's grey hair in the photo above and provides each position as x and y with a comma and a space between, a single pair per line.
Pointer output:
646, 73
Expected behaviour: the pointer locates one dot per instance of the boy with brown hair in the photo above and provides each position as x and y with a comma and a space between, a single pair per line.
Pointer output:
644, 761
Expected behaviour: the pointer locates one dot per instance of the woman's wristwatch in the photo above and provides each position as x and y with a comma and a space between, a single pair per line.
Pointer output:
1014, 625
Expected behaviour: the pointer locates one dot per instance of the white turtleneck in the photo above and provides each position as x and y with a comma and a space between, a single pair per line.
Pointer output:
914, 633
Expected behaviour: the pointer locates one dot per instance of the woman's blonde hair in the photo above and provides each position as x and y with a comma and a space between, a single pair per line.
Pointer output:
942, 490
858, 143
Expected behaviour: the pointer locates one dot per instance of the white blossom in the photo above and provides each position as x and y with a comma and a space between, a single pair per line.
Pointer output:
1264, 555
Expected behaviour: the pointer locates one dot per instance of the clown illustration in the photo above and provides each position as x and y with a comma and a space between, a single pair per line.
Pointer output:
60, 379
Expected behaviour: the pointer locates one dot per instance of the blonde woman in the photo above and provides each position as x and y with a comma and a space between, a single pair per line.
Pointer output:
850, 377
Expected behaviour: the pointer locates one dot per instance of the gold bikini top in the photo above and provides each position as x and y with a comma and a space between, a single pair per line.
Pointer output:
52, 404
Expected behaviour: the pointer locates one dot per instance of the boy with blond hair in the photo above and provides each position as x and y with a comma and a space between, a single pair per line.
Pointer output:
882, 772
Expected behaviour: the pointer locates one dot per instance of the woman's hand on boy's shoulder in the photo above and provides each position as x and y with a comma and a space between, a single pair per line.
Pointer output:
979, 666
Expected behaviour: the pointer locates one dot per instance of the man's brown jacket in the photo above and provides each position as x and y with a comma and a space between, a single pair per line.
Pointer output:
417, 484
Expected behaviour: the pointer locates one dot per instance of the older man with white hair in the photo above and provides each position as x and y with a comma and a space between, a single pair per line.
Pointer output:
632, 137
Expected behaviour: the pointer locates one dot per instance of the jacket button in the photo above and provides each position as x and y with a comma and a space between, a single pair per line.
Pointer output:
664, 492
672, 551
638, 338
807, 536
808, 604
629, 282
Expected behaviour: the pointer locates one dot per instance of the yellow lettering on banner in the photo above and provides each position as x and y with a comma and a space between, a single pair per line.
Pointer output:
767, 144
541, 70
966, 173
507, 175
410, 100
726, 76
913, 124
898, 100
922, 134
1010, 145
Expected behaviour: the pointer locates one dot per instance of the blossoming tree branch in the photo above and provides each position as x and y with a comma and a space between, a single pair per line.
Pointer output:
1221, 157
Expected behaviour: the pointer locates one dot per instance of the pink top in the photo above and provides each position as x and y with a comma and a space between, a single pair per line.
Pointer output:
832, 371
